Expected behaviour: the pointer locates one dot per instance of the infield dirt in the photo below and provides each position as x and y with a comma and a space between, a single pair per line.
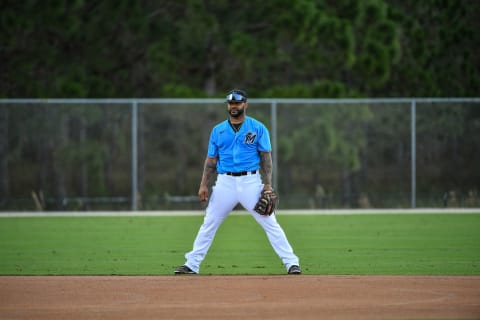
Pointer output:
239, 297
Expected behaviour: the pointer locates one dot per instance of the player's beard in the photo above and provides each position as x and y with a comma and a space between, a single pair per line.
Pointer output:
239, 112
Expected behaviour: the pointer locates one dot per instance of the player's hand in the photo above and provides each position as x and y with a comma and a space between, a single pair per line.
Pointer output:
267, 187
203, 193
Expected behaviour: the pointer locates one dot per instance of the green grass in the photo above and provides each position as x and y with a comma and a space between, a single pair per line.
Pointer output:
407, 244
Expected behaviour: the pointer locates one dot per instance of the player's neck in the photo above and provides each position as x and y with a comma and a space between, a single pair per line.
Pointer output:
237, 120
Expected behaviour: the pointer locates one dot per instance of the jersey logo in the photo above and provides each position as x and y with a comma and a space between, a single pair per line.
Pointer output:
250, 138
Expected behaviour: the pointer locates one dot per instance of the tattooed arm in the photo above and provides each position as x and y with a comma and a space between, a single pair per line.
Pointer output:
209, 169
266, 170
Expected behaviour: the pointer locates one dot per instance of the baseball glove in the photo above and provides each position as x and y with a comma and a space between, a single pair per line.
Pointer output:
266, 204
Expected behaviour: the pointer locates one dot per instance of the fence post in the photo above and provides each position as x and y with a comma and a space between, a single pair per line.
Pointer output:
413, 111
274, 144
134, 154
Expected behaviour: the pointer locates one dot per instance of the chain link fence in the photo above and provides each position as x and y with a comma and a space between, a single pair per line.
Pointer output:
148, 154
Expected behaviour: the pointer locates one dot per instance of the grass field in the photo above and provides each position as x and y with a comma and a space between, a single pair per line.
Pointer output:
401, 244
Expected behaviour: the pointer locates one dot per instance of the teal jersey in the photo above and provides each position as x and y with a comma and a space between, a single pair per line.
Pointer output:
238, 151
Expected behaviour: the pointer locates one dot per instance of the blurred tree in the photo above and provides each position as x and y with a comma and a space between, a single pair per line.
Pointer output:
203, 48
439, 49
4, 151
200, 48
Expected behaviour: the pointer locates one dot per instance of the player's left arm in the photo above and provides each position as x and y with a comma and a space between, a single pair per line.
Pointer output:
266, 165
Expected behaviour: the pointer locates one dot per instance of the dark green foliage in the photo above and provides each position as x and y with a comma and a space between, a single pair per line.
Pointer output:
148, 49
280, 48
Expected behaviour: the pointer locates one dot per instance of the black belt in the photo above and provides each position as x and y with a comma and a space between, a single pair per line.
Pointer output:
238, 174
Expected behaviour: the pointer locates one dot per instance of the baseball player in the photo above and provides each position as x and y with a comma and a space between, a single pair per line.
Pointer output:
239, 151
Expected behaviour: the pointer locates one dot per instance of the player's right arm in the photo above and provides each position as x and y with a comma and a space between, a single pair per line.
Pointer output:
209, 170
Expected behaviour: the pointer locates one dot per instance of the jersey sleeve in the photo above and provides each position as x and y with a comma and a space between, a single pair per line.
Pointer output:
212, 145
264, 144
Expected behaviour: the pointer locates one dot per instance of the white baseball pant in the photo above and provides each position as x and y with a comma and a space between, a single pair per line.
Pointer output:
226, 194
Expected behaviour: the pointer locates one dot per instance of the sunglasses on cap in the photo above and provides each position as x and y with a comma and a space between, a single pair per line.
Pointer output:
235, 97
